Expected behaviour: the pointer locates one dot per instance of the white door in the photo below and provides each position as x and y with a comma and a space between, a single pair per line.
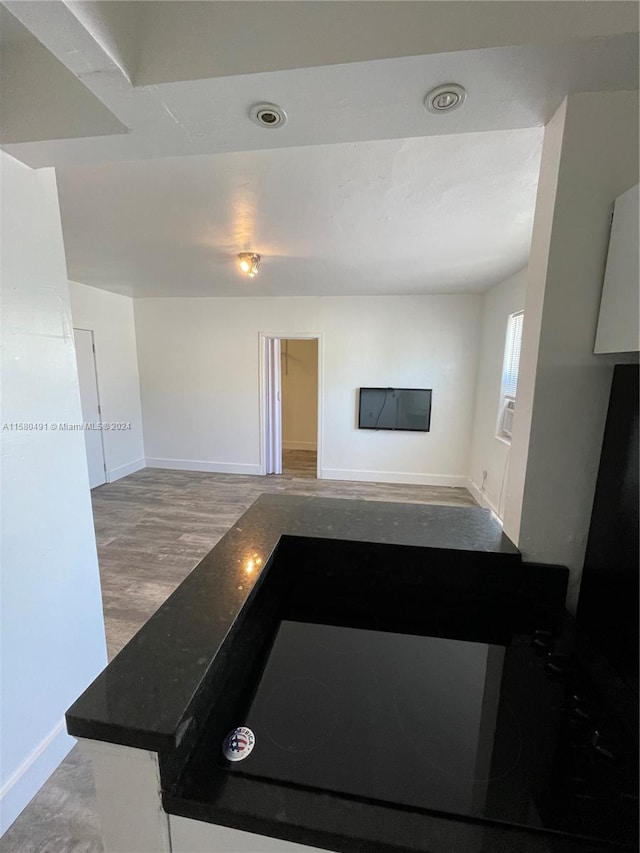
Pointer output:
87, 377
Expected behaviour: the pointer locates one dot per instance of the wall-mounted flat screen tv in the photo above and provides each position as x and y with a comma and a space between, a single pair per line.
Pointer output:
395, 408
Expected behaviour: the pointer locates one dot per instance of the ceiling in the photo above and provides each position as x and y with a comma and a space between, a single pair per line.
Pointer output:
432, 214
142, 107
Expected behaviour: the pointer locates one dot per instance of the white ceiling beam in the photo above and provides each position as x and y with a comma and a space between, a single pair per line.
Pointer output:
199, 40
509, 87
64, 33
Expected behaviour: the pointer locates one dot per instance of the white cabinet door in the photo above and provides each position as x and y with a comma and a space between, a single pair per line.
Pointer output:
90, 402
193, 836
619, 321
127, 783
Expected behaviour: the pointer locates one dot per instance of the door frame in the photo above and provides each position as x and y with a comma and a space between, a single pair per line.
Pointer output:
262, 345
107, 478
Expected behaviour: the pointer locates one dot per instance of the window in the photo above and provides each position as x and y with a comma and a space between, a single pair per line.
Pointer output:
510, 375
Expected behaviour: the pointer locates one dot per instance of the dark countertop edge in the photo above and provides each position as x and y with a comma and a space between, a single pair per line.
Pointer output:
296, 831
500, 555
292, 832
80, 727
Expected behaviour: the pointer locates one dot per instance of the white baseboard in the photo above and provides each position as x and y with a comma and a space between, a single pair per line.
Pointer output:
124, 470
26, 781
475, 493
403, 477
299, 445
198, 465
481, 498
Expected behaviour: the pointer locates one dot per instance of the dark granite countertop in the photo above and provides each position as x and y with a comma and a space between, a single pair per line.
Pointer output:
142, 697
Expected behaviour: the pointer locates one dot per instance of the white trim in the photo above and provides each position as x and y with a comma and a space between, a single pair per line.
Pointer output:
475, 493
262, 343
299, 445
262, 399
481, 498
319, 442
125, 470
451, 480
25, 782
101, 415
199, 465
503, 439
273, 406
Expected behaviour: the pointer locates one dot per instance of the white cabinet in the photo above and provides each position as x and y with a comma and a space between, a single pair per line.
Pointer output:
133, 820
619, 321
193, 836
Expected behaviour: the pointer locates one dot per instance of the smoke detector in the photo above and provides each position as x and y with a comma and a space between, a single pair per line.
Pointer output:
446, 98
268, 115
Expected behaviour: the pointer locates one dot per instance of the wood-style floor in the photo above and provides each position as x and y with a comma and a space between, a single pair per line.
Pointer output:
299, 463
152, 528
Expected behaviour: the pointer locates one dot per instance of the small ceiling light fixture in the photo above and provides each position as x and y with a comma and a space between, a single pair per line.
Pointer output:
446, 98
249, 263
268, 115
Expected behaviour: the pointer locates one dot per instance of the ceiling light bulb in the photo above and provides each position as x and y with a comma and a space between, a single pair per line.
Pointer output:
249, 263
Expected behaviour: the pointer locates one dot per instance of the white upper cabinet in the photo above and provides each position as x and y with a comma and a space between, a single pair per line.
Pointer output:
619, 321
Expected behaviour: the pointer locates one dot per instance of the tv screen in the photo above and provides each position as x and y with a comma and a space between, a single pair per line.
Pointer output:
395, 408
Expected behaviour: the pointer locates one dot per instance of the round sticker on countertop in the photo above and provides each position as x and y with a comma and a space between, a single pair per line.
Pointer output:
238, 744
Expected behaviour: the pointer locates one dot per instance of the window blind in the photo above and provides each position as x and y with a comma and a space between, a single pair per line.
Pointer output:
512, 355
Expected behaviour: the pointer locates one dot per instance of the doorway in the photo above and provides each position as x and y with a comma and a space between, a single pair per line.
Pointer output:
291, 396
90, 403
299, 404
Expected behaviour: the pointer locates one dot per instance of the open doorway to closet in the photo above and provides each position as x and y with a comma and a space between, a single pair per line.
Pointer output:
291, 434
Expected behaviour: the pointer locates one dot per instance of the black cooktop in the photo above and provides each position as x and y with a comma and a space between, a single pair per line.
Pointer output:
475, 729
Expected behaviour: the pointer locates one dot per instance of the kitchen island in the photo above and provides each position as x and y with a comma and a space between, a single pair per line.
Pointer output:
387, 624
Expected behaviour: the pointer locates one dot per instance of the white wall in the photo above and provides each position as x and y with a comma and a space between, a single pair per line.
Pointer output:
590, 156
299, 394
488, 452
199, 375
52, 630
110, 317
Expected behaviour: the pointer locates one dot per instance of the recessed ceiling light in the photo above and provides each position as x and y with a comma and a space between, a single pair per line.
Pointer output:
446, 98
268, 115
